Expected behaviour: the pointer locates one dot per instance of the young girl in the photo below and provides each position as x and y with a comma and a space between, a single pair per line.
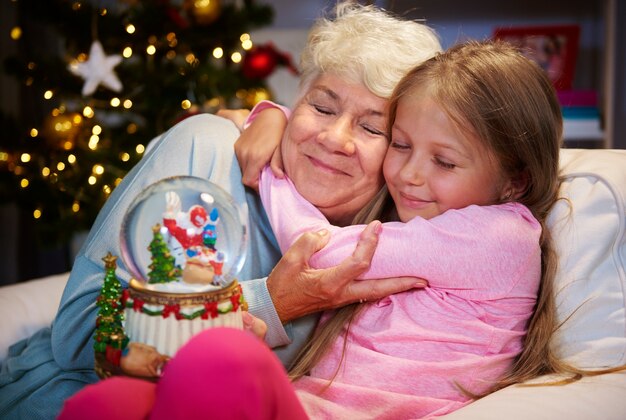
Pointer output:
472, 169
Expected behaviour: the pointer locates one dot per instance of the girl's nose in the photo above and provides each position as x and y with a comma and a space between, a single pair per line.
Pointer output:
338, 137
412, 172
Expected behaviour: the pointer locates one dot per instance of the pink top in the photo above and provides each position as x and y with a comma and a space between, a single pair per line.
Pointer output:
406, 352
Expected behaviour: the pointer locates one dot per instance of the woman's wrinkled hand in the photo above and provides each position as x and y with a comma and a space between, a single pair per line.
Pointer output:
297, 289
255, 325
143, 360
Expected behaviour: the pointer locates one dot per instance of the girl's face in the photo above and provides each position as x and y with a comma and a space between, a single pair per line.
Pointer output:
431, 166
334, 146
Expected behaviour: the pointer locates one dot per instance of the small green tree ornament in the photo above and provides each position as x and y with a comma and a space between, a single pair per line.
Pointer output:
163, 268
110, 337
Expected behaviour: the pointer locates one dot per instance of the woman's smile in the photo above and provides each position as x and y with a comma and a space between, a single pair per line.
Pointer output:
325, 166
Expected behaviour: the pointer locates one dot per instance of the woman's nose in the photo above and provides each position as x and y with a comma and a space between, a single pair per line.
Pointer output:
338, 137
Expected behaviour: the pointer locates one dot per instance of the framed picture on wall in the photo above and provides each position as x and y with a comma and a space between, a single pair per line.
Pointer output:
554, 48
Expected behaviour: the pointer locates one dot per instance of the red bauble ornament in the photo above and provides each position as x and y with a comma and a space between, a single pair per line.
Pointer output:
259, 62
262, 60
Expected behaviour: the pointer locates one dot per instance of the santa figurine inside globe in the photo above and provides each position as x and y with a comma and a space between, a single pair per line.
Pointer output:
194, 232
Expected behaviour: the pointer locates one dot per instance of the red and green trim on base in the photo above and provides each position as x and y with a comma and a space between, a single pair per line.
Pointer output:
210, 309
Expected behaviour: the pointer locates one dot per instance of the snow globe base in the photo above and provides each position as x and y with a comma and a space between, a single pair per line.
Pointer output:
166, 321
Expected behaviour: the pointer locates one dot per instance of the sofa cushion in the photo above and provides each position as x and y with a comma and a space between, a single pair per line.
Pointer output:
27, 307
589, 233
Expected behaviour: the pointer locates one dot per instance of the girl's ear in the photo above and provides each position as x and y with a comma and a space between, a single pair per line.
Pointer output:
519, 185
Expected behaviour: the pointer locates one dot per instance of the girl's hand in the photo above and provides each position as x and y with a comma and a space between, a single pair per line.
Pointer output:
259, 144
237, 116
254, 325
297, 289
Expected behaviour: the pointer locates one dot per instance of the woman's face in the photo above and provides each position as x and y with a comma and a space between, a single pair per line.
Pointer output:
334, 146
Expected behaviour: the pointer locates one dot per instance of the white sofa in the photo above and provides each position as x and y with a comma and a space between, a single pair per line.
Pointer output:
589, 229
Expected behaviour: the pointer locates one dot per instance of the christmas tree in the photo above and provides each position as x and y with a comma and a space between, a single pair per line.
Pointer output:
98, 83
110, 337
163, 268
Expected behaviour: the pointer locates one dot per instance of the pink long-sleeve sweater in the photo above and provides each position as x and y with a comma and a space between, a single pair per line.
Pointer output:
407, 353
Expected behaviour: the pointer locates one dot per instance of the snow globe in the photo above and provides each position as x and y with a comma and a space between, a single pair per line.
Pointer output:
183, 240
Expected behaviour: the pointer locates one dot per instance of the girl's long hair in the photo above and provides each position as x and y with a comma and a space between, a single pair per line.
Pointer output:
380, 208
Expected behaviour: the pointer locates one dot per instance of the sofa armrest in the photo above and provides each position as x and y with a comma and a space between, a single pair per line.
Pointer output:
27, 307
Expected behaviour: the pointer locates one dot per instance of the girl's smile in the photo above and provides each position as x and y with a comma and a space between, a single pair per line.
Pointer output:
413, 202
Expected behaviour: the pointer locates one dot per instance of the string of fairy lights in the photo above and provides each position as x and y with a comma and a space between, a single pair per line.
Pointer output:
75, 125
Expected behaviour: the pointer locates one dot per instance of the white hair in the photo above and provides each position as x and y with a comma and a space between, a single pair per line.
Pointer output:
366, 44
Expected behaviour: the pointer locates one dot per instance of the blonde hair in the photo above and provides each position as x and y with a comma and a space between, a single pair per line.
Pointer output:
508, 101
367, 45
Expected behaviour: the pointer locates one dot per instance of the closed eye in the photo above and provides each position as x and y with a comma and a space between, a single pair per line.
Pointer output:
372, 130
399, 146
444, 164
323, 110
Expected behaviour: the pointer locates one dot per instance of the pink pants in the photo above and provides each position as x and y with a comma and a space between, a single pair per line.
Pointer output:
221, 373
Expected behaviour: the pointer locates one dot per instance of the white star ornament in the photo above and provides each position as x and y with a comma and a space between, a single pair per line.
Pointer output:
98, 70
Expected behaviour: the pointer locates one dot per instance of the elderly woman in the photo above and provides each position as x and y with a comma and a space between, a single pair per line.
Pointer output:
334, 152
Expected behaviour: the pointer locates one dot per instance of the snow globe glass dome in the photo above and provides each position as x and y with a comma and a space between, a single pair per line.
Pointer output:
184, 234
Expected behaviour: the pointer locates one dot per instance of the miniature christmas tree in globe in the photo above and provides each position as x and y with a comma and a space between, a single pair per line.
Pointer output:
110, 337
163, 268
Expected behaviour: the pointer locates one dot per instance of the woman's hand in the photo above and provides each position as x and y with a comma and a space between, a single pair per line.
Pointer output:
143, 360
297, 289
255, 325
259, 144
